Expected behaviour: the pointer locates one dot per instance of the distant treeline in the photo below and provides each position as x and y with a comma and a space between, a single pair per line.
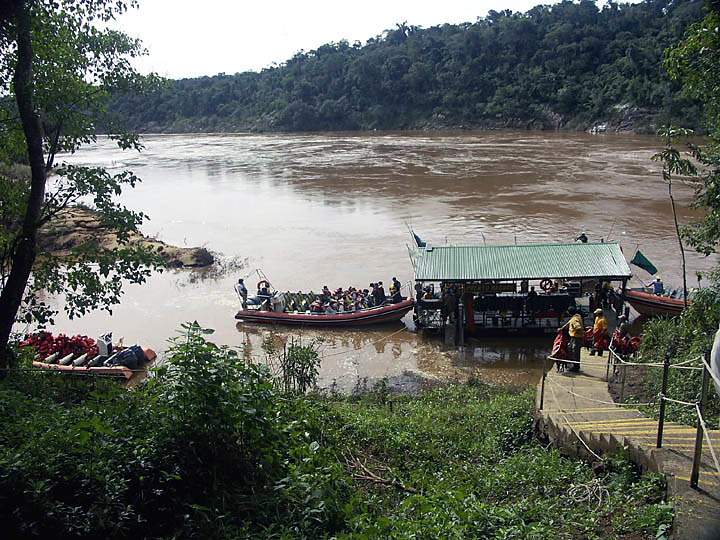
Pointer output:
571, 66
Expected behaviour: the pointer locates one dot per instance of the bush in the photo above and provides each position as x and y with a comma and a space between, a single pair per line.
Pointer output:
204, 446
462, 463
684, 338
210, 448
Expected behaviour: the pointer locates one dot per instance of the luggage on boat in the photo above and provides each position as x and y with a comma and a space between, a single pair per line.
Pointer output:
131, 358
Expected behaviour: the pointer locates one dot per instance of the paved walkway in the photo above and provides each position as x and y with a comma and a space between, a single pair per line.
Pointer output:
580, 415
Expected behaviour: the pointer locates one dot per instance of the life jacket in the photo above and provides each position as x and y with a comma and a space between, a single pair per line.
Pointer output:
625, 344
560, 345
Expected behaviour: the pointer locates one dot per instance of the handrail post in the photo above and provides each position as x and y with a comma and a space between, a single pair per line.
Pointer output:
663, 391
542, 383
695, 475
607, 367
622, 383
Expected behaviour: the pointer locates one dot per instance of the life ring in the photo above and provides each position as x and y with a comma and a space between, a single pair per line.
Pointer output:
262, 282
546, 284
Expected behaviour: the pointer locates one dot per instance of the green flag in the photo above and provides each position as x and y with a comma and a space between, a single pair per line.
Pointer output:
643, 262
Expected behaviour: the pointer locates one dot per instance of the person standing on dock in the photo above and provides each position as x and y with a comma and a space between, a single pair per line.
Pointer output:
531, 303
600, 333
576, 330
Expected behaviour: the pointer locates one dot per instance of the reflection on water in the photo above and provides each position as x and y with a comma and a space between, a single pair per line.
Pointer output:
320, 209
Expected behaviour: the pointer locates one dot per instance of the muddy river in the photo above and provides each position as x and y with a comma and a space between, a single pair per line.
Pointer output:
311, 210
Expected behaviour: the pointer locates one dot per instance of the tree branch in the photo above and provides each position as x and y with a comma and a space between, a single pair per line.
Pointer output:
54, 146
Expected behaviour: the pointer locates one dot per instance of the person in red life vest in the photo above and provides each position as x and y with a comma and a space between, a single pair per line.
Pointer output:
622, 340
600, 339
317, 307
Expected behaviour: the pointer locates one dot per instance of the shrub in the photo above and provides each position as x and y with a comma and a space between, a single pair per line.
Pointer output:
210, 448
684, 338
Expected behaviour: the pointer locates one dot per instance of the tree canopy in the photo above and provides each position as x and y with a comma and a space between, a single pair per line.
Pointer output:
57, 69
563, 66
696, 63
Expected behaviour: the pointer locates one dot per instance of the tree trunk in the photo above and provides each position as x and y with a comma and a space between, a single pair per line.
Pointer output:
679, 237
25, 252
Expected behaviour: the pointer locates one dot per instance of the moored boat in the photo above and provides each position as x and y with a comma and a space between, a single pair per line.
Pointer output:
81, 355
362, 317
654, 305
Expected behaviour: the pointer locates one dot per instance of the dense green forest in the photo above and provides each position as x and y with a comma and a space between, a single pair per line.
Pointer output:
570, 66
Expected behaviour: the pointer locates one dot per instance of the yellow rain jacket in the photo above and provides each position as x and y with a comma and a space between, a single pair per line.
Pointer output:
576, 328
600, 326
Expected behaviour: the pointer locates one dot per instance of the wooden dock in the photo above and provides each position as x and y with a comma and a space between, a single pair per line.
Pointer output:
581, 418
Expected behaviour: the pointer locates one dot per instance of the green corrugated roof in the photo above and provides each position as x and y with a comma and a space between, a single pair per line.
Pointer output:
525, 261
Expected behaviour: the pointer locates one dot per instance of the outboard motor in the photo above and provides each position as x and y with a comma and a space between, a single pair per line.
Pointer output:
104, 343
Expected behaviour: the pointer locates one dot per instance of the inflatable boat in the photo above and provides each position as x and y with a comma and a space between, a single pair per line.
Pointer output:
363, 317
654, 305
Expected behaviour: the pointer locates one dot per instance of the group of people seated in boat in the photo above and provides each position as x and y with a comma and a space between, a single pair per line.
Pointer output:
327, 301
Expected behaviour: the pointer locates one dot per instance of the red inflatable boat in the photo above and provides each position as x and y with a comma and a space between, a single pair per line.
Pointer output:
654, 305
363, 317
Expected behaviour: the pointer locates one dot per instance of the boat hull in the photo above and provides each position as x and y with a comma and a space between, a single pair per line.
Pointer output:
366, 317
652, 305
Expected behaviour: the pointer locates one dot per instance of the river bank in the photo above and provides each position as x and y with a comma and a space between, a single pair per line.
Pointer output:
577, 413
621, 119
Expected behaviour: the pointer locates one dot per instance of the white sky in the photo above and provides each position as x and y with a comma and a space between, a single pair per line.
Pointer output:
187, 38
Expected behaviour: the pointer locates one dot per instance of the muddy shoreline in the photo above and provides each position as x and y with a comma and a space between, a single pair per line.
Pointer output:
620, 121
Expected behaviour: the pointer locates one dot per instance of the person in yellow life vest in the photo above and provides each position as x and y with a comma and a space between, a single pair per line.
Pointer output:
600, 337
576, 331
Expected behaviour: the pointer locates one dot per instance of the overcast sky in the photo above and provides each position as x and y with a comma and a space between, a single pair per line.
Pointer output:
187, 38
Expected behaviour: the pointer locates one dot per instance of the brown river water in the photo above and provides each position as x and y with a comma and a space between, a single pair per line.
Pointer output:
317, 209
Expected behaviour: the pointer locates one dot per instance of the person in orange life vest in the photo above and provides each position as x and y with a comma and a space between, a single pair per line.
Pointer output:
600, 333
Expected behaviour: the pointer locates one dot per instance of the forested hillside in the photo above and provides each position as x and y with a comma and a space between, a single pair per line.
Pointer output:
568, 66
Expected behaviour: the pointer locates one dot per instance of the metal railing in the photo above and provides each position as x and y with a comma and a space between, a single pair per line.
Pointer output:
619, 365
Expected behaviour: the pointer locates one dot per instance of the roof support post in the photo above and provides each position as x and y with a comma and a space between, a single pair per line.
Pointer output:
461, 324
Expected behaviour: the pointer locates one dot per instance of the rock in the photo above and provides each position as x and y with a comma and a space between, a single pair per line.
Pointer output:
75, 226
